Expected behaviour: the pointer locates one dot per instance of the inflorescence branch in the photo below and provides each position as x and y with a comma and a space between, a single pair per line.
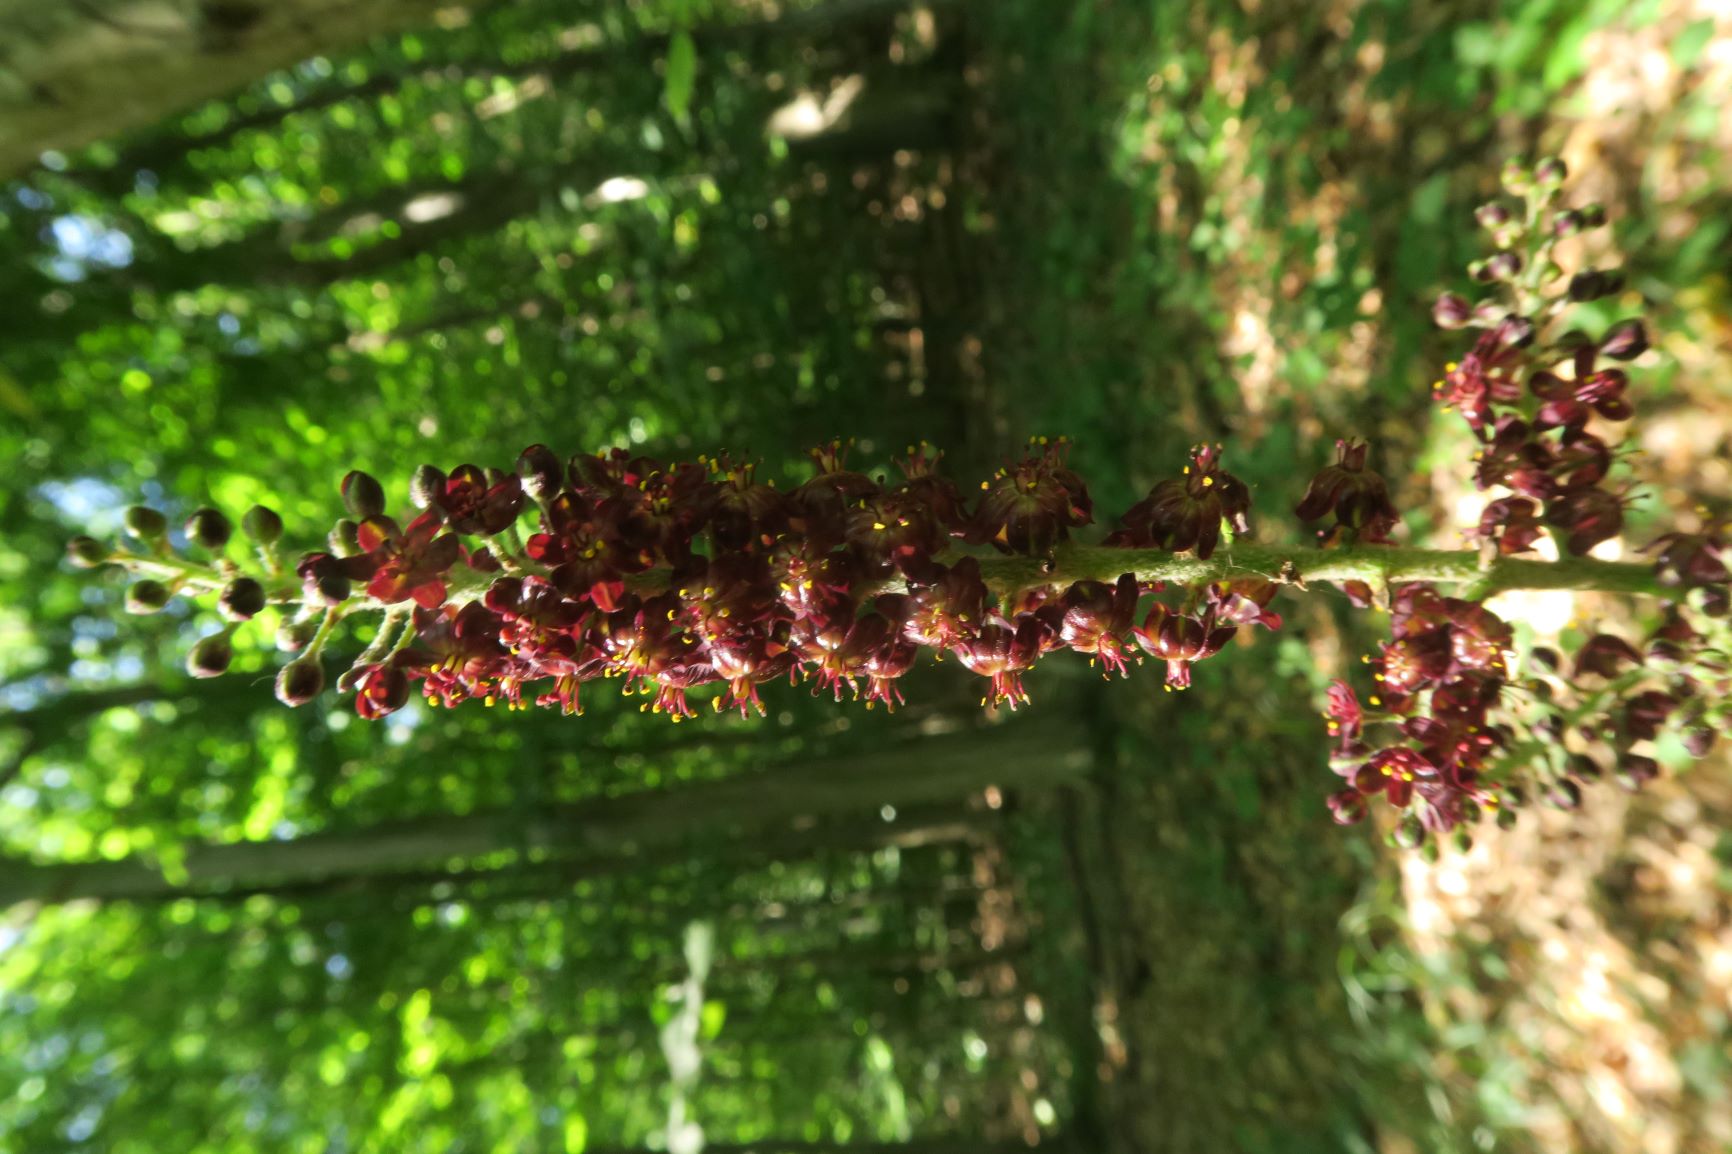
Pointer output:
695, 576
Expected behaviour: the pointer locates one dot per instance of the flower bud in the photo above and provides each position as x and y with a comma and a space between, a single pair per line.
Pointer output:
381, 689
1585, 768
1625, 341
1518, 331
146, 597
294, 636
363, 496
331, 590
1493, 215
300, 681
425, 486
1347, 807
211, 656
324, 579
86, 552
1410, 833
345, 538
1516, 178
1480, 271
1461, 839
1503, 266
1565, 794
208, 529
1451, 311
241, 599
1551, 172
1593, 284
262, 525
1698, 740
1488, 314
1567, 223
1593, 215
541, 472
1635, 771
1506, 818
145, 523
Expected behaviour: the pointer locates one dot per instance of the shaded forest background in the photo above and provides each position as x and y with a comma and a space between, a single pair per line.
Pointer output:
1117, 921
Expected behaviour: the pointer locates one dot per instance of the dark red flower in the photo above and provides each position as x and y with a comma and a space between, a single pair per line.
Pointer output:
1512, 523
473, 504
1690, 560
746, 514
839, 652
820, 506
1588, 517
747, 658
1490, 374
456, 655
1347, 806
950, 610
1002, 651
411, 563
1392, 772
588, 559
1031, 506
1346, 718
1605, 655
1186, 513
1244, 602
381, 689
1514, 457
1569, 403
1181, 640
1097, 620
1645, 713
1358, 498
659, 511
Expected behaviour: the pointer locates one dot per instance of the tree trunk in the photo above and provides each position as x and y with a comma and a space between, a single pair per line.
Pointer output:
614, 830
75, 73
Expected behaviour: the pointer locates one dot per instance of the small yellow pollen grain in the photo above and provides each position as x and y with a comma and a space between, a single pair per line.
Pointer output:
1375, 700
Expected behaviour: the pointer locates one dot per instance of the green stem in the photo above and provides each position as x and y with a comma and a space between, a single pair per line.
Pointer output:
1379, 566
1376, 565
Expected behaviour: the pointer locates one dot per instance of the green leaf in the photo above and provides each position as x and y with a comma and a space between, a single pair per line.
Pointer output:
576, 1134
1688, 46
680, 76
